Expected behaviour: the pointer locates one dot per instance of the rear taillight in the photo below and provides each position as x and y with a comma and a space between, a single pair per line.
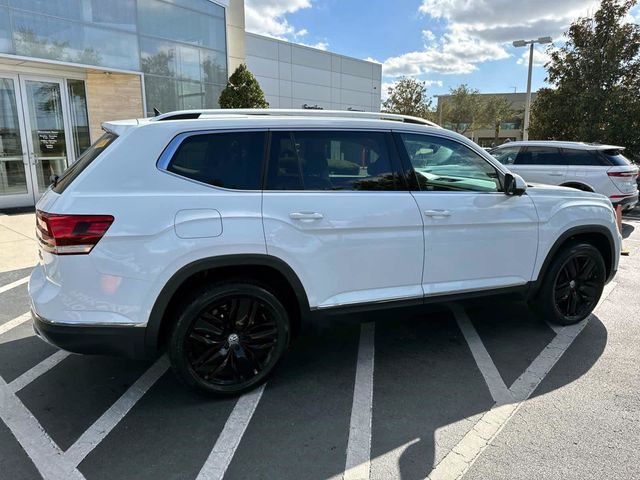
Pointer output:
622, 174
70, 234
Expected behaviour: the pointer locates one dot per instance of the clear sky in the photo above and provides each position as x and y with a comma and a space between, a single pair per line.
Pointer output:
445, 42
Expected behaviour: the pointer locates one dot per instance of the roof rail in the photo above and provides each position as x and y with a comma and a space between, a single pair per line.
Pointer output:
195, 114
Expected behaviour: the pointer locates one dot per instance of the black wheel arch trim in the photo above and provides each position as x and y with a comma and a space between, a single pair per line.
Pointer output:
154, 324
572, 232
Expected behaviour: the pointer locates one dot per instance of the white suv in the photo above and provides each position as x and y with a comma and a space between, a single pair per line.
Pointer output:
217, 235
589, 167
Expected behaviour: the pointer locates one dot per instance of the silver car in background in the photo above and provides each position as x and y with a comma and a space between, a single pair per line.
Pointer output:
590, 167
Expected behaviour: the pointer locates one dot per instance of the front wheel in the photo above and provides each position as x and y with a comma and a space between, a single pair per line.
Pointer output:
228, 338
572, 285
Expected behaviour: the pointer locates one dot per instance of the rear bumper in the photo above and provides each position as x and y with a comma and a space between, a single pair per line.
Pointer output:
627, 203
93, 340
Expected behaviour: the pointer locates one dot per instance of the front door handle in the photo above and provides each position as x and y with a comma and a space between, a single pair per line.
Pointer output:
437, 213
306, 216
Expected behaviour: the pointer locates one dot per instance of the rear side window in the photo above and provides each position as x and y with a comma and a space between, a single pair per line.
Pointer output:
71, 173
615, 157
582, 157
227, 160
539, 156
331, 160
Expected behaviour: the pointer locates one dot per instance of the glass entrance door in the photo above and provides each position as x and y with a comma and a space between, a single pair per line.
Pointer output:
36, 142
15, 172
44, 104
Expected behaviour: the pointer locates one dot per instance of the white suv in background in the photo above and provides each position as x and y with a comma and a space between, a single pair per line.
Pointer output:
589, 167
217, 235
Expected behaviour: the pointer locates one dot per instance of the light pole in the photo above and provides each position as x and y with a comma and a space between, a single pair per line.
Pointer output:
527, 108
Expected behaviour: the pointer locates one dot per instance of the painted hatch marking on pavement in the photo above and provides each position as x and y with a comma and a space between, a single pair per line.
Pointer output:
55, 465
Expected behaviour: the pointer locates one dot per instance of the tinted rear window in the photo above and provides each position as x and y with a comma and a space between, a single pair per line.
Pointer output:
539, 156
227, 160
582, 158
71, 173
615, 157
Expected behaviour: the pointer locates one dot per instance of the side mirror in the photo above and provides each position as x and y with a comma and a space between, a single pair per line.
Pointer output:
514, 185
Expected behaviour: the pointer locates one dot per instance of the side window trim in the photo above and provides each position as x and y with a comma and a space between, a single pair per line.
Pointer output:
392, 151
409, 172
164, 160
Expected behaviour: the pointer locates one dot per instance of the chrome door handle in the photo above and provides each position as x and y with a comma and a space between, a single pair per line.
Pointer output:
437, 213
551, 174
306, 216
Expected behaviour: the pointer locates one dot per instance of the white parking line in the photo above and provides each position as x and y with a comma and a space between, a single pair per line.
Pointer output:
11, 324
41, 449
109, 419
220, 457
358, 464
492, 377
43, 367
460, 459
17, 283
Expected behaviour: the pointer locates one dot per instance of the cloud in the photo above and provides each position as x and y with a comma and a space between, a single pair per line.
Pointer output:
457, 52
540, 58
482, 31
268, 17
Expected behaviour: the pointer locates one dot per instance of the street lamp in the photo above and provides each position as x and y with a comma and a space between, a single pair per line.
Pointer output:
527, 108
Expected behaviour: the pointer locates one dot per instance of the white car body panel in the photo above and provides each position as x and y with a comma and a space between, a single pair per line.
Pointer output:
489, 240
368, 247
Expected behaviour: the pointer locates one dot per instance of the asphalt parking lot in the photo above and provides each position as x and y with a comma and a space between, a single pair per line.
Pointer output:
483, 390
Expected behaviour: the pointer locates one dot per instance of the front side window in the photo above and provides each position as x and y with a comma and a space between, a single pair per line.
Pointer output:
441, 164
227, 160
331, 160
506, 156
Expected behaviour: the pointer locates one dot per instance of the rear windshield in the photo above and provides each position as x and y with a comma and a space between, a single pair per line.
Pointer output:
616, 158
71, 173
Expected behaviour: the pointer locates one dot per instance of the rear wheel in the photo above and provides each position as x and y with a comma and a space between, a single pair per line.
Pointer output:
228, 338
573, 285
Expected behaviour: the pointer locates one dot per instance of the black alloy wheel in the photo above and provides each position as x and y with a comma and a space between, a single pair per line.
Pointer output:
572, 285
578, 287
229, 338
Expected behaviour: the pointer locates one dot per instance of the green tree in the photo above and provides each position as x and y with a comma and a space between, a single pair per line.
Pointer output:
243, 91
494, 111
596, 76
461, 110
409, 97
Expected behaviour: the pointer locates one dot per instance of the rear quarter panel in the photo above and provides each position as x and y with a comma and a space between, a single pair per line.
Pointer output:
141, 251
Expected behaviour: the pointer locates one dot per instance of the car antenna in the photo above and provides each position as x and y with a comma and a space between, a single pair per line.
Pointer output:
156, 112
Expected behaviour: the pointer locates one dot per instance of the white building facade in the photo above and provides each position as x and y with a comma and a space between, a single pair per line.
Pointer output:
297, 76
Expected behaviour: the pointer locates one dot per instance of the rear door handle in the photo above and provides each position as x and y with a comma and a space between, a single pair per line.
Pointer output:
306, 216
437, 213
552, 174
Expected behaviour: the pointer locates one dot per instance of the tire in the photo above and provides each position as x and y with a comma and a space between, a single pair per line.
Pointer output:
228, 338
572, 285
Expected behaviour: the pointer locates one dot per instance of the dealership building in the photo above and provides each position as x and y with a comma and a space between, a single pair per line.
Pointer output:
66, 66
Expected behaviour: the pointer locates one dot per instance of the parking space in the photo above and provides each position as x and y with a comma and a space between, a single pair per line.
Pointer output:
450, 391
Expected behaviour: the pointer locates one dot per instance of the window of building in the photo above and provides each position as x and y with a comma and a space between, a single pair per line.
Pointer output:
227, 160
441, 164
334, 160
79, 117
539, 156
